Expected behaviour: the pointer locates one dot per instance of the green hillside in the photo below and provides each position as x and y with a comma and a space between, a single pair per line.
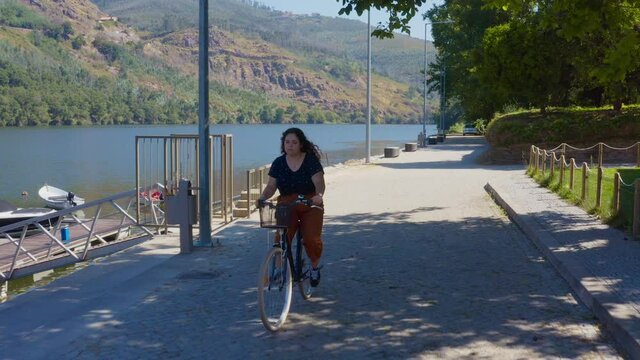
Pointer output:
400, 58
68, 63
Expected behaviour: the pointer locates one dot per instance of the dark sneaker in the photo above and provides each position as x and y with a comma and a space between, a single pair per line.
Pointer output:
314, 277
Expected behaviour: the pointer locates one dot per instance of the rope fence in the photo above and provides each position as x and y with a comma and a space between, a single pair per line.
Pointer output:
561, 164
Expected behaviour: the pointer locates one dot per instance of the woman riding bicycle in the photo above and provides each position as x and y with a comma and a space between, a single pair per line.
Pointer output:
298, 172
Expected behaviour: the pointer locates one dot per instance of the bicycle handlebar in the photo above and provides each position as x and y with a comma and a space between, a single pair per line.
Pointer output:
299, 200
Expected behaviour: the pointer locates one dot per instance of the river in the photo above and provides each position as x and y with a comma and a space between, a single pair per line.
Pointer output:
94, 162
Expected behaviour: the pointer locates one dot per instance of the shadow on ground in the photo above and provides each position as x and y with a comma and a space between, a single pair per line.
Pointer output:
391, 288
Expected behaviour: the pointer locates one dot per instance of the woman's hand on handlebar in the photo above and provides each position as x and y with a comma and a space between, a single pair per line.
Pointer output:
260, 203
317, 200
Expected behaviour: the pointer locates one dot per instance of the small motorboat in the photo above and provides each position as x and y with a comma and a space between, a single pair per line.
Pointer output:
59, 199
10, 214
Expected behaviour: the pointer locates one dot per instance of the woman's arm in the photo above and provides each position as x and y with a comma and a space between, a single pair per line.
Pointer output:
269, 190
318, 182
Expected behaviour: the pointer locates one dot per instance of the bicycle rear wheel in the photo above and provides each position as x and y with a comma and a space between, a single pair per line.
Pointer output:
303, 268
274, 290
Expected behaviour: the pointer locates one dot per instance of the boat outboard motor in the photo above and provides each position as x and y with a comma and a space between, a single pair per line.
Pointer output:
70, 197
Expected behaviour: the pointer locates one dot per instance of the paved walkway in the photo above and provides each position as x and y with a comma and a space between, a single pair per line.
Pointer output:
601, 263
419, 263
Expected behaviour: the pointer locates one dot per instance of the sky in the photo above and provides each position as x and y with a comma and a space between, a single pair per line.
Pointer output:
331, 8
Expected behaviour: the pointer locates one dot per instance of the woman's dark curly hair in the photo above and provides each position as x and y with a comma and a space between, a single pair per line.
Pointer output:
307, 146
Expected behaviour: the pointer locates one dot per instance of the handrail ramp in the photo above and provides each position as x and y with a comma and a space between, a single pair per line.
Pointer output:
29, 247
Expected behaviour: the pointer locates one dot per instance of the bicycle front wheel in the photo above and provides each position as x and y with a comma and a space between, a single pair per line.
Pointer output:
274, 290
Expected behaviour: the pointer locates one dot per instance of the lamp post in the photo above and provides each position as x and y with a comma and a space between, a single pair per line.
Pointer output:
203, 126
425, 109
443, 94
368, 136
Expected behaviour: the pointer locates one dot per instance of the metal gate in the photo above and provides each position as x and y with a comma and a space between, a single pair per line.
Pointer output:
161, 161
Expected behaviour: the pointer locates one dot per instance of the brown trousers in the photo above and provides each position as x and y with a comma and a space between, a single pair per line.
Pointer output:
310, 221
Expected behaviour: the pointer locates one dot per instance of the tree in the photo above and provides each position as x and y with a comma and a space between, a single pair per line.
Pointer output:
279, 116
78, 42
67, 30
521, 73
111, 51
608, 32
266, 114
460, 53
536, 53
400, 12
315, 116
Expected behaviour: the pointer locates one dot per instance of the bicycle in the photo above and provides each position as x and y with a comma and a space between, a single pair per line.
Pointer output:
280, 269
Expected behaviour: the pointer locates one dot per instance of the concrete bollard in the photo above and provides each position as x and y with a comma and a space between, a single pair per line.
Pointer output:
391, 151
410, 147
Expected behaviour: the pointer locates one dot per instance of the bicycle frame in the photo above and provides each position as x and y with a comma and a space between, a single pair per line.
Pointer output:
295, 267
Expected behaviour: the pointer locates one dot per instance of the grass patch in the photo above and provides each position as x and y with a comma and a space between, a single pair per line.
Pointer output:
623, 218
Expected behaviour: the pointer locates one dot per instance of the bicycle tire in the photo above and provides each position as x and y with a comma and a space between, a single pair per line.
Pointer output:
274, 290
303, 268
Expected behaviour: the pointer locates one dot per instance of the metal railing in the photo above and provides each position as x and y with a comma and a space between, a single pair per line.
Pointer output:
256, 181
38, 244
165, 160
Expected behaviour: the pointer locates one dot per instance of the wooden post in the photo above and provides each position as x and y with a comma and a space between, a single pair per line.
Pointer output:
262, 177
531, 157
572, 170
638, 155
616, 193
600, 153
248, 193
599, 188
564, 149
561, 169
585, 176
636, 208
552, 163
544, 161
